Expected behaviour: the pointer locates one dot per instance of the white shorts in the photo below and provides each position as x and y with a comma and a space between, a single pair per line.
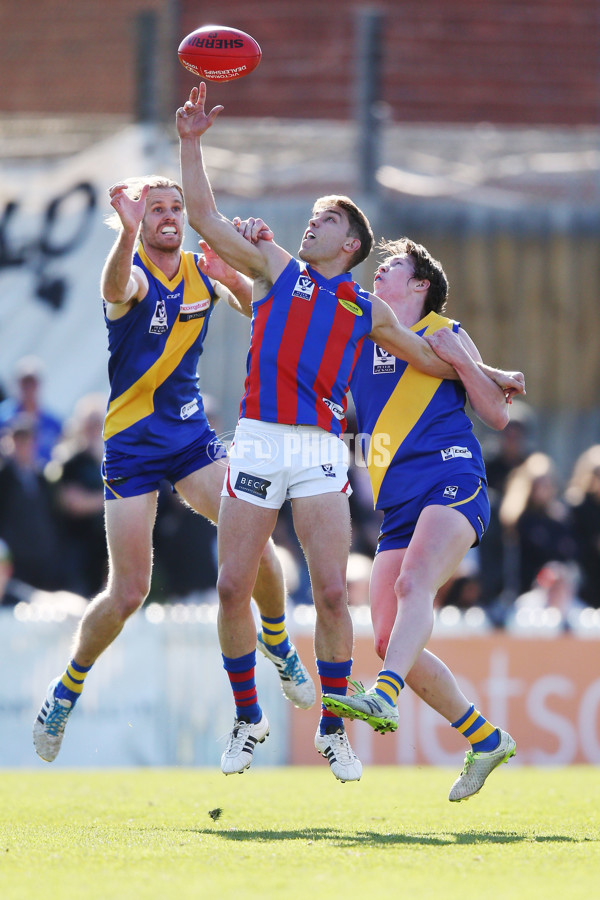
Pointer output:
270, 463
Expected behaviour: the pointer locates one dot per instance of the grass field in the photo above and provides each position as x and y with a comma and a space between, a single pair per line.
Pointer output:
298, 833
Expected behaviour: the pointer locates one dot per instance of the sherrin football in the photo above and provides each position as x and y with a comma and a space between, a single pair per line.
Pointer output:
219, 53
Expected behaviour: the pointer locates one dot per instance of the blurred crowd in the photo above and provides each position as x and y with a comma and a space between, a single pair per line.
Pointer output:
541, 551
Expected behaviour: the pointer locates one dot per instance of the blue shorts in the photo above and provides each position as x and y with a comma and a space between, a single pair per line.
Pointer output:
126, 475
467, 494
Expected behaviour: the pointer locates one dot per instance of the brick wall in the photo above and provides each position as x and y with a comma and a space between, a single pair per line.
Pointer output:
503, 61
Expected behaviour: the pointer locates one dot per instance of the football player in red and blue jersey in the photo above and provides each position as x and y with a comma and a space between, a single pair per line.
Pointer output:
158, 300
309, 322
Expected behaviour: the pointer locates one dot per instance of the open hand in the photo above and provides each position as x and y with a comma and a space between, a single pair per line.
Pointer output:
191, 118
131, 212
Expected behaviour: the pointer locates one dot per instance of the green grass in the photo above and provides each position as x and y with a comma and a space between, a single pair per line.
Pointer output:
298, 833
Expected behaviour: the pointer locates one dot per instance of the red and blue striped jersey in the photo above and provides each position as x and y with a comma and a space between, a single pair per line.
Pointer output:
306, 336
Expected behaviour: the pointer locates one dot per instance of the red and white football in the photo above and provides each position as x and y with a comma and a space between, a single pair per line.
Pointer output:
219, 53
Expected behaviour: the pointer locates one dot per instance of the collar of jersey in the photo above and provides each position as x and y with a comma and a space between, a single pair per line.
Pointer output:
424, 323
158, 273
327, 282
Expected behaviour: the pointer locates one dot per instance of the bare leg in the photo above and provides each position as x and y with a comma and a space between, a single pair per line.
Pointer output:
440, 540
322, 524
244, 530
201, 490
129, 524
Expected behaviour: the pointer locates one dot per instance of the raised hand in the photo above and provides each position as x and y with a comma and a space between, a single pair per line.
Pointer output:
130, 212
213, 266
253, 230
191, 118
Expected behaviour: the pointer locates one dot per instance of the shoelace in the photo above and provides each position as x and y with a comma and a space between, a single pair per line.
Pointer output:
293, 669
469, 760
57, 719
343, 750
237, 740
357, 686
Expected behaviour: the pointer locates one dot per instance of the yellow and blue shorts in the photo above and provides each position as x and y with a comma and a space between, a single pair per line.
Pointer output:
467, 494
128, 475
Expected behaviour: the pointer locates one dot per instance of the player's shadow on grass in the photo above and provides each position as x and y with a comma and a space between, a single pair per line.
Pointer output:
375, 838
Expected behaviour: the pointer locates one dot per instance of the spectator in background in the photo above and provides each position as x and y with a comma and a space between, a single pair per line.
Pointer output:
28, 382
28, 521
583, 497
13, 592
555, 587
9, 594
505, 450
535, 520
79, 490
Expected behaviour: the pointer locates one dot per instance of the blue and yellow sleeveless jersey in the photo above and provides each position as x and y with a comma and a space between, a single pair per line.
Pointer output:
306, 336
155, 407
416, 430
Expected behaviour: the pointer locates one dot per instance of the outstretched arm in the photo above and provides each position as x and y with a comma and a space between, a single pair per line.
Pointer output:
122, 284
488, 400
264, 261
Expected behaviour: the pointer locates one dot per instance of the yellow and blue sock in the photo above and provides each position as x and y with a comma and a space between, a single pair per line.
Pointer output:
388, 686
481, 734
241, 672
275, 636
334, 680
71, 683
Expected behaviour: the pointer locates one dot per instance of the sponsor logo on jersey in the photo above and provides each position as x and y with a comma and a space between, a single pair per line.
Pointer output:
450, 491
250, 484
456, 453
382, 361
188, 409
304, 288
336, 409
354, 308
159, 325
328, 470
189, 311
120, 479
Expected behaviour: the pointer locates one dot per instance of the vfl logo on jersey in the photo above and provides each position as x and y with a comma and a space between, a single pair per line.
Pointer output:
354, 308
450, 491
336, 409
189, 311
304, 288
159, 325
328, 470
382, 361
456, 453
188, 409
250, 484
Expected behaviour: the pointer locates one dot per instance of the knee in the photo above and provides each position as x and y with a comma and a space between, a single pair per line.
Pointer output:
231, 589
331, 597
129, 595
406, 587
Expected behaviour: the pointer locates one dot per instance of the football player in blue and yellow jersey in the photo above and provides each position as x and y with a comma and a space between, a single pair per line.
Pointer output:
309, 325
158, 300
428, 477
